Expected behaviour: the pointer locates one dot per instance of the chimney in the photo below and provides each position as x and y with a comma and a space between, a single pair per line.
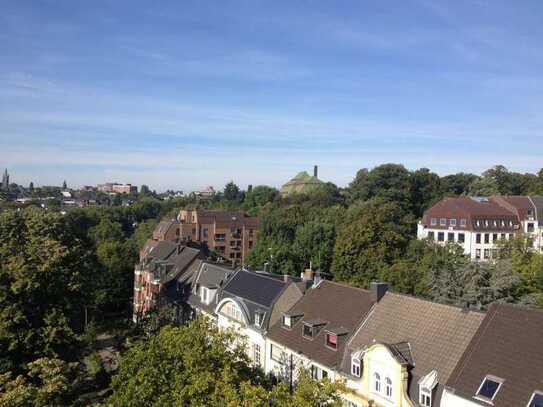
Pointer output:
308, 275
378, 290
316, 171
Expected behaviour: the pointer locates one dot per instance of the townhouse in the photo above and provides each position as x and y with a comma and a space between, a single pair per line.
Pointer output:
404, 352
161, 265
479, 224
503, 364
312, 334
250, 302
231, 235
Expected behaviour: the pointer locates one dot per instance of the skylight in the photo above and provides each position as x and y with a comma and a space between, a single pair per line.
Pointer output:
489, 387
536, 400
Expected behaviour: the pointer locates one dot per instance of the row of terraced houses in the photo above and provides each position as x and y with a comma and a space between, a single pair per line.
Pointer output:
390, 349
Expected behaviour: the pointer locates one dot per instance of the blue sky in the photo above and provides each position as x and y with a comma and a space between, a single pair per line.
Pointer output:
186, 94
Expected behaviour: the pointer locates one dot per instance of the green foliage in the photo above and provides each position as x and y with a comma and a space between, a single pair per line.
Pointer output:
196, 365
42, 267
372, 236
144, 231
46, 382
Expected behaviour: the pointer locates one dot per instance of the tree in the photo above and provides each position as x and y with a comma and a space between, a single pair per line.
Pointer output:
456, 184
42, 269
144, 231
260, 196
64, 185
372, 236
47, 382
425, 190
314, 243
483, 186
196, 365
232, 192
31, 187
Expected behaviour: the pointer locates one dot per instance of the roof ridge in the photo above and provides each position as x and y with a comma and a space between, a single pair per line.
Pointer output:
458, 307
346, 285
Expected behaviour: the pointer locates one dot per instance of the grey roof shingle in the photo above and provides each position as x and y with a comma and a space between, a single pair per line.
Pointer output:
509, 345
436, 335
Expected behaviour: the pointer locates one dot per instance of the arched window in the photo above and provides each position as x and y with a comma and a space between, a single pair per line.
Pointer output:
377, 382
388, 387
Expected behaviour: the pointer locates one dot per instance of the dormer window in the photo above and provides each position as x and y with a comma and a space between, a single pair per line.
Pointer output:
443, 222
259, 317
536, 400
489, 388
433, 221
452, 222
331, 340
204, 295
426, 386
355, 366
287, 321
463, 222
307, 331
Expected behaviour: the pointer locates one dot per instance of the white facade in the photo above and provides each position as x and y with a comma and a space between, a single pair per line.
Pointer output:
231, 315
281, 361
449, 399
478, 245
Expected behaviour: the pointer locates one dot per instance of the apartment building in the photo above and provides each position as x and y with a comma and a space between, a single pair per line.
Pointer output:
231, 235
503, 364
478, 224
250, 302
161, 265
115, 188
312, 334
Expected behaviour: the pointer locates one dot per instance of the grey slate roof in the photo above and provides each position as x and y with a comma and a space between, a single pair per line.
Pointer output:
509, 345
255, 291
208, 275
428, 335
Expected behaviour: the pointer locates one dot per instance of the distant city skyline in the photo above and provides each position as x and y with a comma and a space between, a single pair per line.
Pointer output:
181, 95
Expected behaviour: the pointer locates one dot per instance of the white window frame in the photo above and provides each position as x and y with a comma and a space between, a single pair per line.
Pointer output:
259, 317
443, 222
423, 393
356, 367
376, 383
536, 392
388, 387
204, 295
463, 222
433, 221
491, 378
287, 321
257, 354
452, 222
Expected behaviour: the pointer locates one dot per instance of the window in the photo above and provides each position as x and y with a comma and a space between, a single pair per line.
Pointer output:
487, 238
205, 232
450, 237
317, 373
433, 221
536, 400
388, 387
233, 312
494, 238
452, 222
250, 244
443, 222
486, 254
355, 367
204, 295
256, 354
502, 236
477, 254
440, 236
530, 227
489, 387
478, 238
349, 403
461, 237
377, 382
331, 340
308, 331
511, 236
430, 235
463, 222
259, 316
277, 354
425, 398
486, 223
287, 321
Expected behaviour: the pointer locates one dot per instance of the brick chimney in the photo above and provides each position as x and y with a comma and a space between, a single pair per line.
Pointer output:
316, 171
378, 290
